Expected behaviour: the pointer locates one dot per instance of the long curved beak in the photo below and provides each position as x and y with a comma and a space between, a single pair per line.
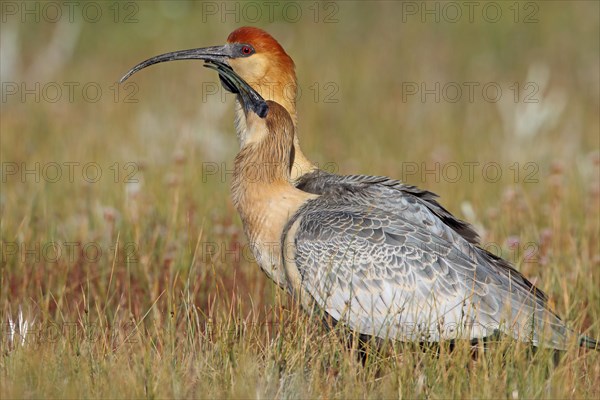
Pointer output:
216, 54
251, 100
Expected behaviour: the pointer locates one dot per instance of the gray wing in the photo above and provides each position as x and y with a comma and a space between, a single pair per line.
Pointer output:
408, 276
364, 188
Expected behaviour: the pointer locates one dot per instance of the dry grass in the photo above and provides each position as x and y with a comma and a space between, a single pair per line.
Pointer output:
147, 289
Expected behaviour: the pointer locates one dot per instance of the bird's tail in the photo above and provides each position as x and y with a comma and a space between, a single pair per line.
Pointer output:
588, 342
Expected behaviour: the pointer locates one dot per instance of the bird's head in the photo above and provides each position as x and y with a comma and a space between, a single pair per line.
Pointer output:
265, 64
264, 117
254, 55
250, 99
265, 120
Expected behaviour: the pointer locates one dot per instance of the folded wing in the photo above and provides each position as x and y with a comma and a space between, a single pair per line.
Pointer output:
396, 270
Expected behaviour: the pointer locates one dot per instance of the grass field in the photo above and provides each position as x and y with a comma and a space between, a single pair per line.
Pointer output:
123, 252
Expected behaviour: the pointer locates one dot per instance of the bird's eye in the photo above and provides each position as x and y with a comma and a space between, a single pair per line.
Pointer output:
247, 50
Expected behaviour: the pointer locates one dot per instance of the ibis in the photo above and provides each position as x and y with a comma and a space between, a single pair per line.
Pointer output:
381, 257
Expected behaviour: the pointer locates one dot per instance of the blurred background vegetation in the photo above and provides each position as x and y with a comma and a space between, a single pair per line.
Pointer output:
494, 106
